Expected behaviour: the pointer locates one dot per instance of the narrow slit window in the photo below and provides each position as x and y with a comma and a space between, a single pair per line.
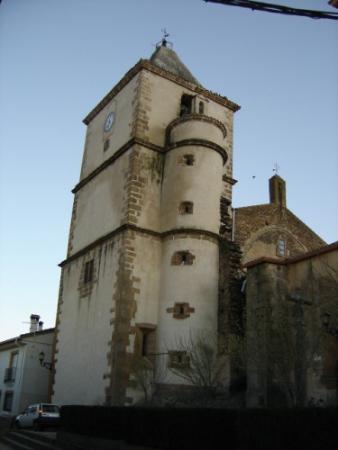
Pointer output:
88, 271
178, 359
189, 160
201, 108
186, 208
106, 145
146, 341
182, 258
181, 310
281, 247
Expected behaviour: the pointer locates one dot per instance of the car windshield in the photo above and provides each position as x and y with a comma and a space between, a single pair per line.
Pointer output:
50, 408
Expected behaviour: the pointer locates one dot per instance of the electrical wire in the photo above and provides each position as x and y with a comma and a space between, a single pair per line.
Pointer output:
278, 9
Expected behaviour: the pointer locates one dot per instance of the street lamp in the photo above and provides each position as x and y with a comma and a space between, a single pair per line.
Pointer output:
43, 363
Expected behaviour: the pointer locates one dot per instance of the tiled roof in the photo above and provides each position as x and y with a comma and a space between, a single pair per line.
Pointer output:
165, 58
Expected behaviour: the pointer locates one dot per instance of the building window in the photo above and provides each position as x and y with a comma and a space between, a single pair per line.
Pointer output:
178, 359
145, 343
106, 145
11, 370
186, 104
88, 271
148, 342
201, 108
281, 247
88, 276
186, 208
9, 374
188, 160
182, 258
181, 310
8, 401
13, 361
144, 347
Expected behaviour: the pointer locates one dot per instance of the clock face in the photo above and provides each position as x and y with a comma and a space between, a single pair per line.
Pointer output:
109, 121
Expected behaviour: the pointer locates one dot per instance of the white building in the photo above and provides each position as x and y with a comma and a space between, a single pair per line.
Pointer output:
24, 379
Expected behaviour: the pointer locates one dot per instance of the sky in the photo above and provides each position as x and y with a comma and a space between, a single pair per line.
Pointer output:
59, 58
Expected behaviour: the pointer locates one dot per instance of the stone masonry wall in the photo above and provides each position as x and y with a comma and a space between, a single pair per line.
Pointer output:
123, 313
230, 302
258, 228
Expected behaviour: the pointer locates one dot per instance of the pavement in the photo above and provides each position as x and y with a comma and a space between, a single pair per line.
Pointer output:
5, 447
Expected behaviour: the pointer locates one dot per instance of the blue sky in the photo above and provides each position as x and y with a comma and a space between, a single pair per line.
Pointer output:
58, 59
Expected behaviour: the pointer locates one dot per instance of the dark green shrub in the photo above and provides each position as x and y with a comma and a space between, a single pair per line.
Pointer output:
202, 428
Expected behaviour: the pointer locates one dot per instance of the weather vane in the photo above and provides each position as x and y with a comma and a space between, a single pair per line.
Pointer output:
164, 42
276, 168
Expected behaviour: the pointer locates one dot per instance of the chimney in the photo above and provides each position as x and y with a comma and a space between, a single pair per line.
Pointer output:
334, 3
40, 326
34, 323
277, 190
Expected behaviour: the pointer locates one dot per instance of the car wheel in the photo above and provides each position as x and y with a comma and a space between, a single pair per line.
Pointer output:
37, 426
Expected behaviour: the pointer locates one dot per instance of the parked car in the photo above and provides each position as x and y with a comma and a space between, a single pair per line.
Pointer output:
38, 416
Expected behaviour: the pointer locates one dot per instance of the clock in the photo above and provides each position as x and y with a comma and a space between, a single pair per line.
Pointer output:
108, 123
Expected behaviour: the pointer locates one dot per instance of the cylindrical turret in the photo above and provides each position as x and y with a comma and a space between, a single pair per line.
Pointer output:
190, 220
197, 127
192, 181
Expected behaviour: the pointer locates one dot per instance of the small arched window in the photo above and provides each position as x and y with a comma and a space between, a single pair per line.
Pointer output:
201, 108
281, 247
186, 104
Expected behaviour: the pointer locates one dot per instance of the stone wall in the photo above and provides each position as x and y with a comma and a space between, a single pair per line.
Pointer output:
292, 329
231, 307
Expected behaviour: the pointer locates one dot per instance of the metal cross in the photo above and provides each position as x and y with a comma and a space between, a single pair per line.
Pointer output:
165, 35
276, 168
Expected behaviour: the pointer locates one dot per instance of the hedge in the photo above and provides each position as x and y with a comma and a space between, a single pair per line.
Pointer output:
207, 429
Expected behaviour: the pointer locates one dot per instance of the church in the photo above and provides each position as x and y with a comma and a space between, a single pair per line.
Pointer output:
155, 246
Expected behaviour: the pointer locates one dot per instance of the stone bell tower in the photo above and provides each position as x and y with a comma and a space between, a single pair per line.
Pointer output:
142, 268
277, 190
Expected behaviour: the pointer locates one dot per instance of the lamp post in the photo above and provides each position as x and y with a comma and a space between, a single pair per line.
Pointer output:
43, 363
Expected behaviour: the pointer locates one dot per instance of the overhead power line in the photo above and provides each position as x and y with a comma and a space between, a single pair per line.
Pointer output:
278, 9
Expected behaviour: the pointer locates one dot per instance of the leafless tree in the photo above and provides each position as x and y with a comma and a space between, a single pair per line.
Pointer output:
146, 372
201, 366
